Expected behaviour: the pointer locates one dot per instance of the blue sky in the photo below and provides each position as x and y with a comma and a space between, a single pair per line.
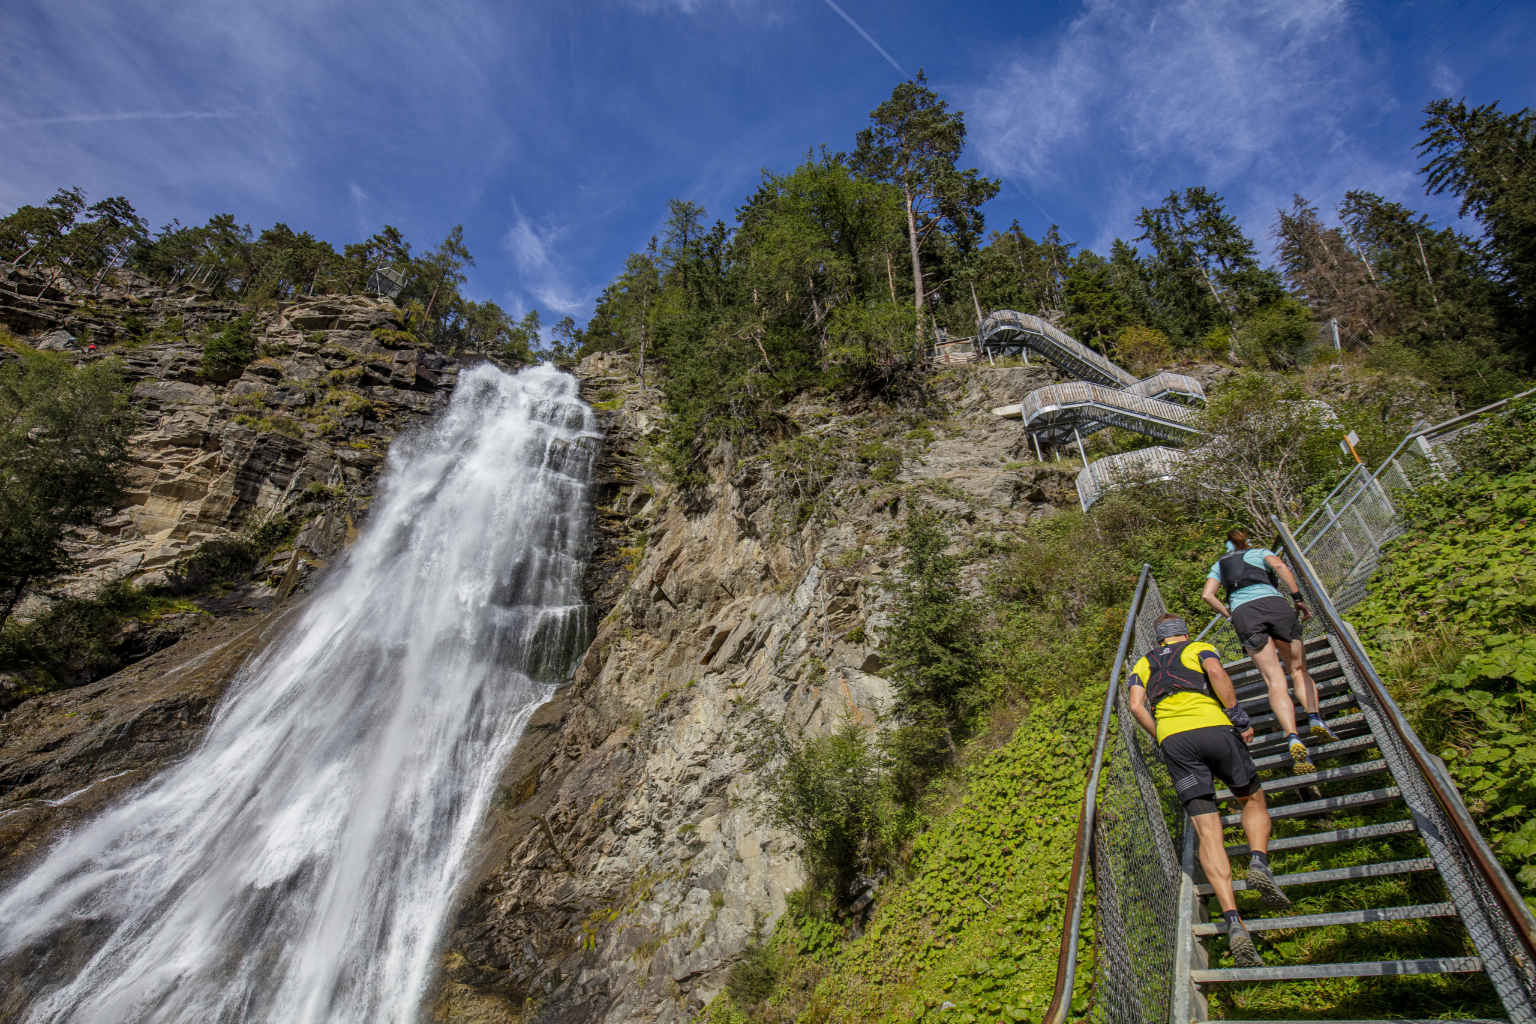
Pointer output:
556, 131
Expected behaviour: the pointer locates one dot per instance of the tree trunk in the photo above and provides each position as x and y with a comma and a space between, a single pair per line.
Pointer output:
917, 263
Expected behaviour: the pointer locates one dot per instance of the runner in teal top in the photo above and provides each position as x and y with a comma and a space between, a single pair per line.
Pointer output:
1270, 629
1253, 591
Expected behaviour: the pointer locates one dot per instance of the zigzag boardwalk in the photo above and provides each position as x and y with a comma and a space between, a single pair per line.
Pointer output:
1390, 879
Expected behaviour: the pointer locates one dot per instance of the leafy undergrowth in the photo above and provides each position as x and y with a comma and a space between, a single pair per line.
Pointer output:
976, 920
1451, 624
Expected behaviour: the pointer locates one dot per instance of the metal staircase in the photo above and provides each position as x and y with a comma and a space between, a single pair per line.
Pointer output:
1104, 395
1008, 333
1158, 948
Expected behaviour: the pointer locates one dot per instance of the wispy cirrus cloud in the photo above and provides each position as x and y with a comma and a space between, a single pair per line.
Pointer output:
1131, 89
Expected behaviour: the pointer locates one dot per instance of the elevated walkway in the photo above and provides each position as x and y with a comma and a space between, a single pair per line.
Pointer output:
1105, 395
1059, 413
1007, 333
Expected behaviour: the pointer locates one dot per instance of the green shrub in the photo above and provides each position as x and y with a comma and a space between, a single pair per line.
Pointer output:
74, 641
214, 563
227, 353
1278, 336
826, 793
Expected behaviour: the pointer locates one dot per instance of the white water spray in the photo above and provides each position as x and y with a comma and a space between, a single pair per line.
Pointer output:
301, 864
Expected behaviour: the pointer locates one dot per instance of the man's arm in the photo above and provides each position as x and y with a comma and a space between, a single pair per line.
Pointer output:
1138, 702
1209, 594
1289, 579
1221, 683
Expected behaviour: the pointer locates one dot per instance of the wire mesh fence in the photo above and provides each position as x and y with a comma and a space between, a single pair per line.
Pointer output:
1135, 864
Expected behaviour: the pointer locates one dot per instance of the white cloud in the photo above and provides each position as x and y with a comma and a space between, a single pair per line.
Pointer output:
1444, 78
544, 275
1214, 88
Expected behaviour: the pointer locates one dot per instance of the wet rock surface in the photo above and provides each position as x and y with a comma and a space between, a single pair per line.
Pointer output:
627, 866
66, 756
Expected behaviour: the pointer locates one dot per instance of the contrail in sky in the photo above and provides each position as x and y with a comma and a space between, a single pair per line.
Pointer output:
133, 115
867, 37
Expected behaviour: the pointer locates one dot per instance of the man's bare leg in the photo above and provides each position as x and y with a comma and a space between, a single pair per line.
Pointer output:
1218, 872
1213, 858
1256, 826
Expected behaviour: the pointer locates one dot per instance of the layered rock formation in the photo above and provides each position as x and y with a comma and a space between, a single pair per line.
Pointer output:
630, 864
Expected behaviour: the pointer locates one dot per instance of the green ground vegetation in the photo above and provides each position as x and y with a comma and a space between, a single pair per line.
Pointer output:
1452, 622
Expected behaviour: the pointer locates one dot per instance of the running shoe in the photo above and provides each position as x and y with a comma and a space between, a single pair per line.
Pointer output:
1241, 944
1262, 881
1322, 732
1301, 764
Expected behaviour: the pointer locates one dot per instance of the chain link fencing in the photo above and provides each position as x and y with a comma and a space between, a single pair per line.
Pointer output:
1135, 865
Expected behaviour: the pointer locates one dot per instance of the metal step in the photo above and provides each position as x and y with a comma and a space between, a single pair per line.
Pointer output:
1318, 668
1329, 681
1342, 835
1403, 1020
1365, 741
1371, 969
1391, 867
1326, 775
1274, 924
1349, 801
1317, 649
1338, 703
1343, 726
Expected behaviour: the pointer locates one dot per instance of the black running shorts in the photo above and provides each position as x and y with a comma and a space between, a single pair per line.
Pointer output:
1258, 620
1194, 756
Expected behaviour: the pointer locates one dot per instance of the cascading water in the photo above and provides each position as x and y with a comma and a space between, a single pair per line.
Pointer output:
300, 865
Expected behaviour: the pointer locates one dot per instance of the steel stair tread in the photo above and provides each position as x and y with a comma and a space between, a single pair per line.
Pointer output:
1349, 801
1400, 1020
1342, 835
1369, 969
1277, 740
1369, 916
1332, 680
1252, 683
1378, 870
1353, 745
1334, 703
1350, 771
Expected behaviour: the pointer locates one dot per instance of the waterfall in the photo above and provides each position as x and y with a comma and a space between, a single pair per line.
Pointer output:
301, 864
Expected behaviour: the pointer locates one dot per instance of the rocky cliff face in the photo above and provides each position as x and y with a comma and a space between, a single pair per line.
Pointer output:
295, 440
629, 863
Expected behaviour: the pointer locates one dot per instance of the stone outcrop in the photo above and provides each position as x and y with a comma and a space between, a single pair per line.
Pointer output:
66, 756
629, 863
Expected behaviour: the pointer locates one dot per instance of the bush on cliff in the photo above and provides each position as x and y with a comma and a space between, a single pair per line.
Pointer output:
227, 353
63, 451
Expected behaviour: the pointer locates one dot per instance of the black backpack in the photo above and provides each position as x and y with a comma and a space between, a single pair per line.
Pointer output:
1237, 573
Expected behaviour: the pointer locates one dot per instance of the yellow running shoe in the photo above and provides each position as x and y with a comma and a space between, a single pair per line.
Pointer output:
1301, 764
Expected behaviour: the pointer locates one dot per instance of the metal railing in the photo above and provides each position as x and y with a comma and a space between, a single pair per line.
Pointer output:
1028, 331
1162, 385
1487, 901
1124, 829
1059, 408
1141, 466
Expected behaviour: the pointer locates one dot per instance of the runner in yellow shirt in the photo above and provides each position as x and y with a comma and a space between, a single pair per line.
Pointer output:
1182, 696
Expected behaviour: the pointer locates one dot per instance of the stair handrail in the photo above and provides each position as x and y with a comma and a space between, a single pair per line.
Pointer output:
1066, 959
1482, 857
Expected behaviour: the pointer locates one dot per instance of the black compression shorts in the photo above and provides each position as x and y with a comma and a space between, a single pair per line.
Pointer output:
1258, 620
1195, 756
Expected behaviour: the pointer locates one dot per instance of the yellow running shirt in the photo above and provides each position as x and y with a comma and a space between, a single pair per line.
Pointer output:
1180, 712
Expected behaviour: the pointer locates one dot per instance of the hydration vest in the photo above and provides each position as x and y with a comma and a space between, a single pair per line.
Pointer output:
1169, 675
1237, 573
